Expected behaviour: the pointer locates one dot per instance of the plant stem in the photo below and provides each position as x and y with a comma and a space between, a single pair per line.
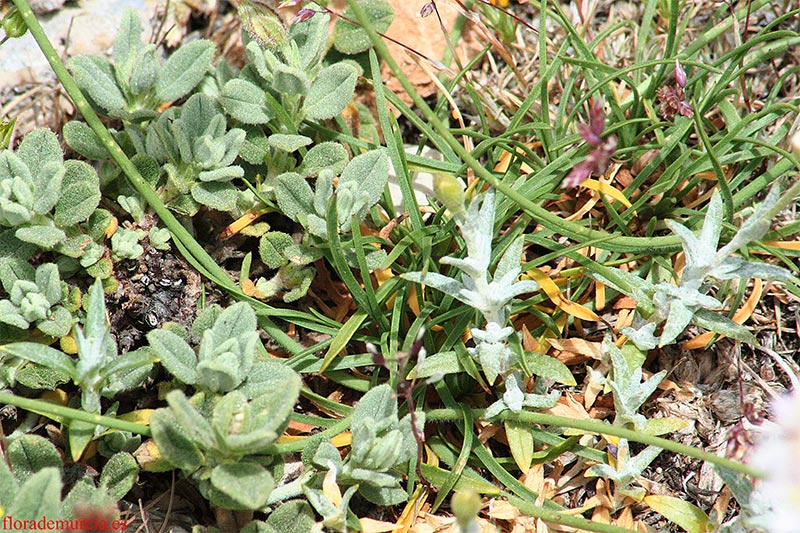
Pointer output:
53, 410
595, 426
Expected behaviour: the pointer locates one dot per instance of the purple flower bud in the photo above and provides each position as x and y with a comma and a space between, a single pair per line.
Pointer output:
303, 15
427, 9
680, 74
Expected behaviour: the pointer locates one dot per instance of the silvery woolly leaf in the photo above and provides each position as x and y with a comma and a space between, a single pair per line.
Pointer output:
644, 338
495, 359
513, 396
737, 268
678, 318
755, 227
477, 228
687, 295
541, 401
447, 285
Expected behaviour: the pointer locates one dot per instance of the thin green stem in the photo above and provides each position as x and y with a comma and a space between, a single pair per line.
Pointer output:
53, 410
595, 426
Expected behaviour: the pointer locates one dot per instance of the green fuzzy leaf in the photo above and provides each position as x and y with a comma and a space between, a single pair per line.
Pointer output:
38, 497
198, 117
290, 81
57, 324
193, 423
311, 38
184, 69
349, 38
441, 363
216, 195
378, 404
176, 356
688, 516
43, 355
255, 147
31, 453
721, 324
173, 442
234, 322
271, 248
80, 194
81, 138
288, 143
550, 368
294, 196
145, 71
38, 150
47, 187
95, 76
79, 435
328, 154
384, 496
9, 486
370, 171
294, 516
270, 380
119, 474
221, 175
331, 91
38, 377
245, 102
127, 44
241, 486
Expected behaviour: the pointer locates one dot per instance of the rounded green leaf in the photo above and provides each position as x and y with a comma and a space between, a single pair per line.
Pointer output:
80, 194
38, 497
349, 38
172, 442
184, 70
81, 138
687, 515
331, 91
324, 155
96, 79
245, 102
31, 453
176, 356
241, 486
119, 474
216, 195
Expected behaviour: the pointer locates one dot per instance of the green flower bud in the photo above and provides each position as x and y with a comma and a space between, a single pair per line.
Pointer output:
465, 505
449, 190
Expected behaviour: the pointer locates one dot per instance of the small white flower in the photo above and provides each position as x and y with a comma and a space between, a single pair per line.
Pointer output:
778, 456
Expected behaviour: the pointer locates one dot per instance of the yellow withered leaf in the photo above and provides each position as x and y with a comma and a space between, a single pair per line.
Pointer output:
552, 291
607, 189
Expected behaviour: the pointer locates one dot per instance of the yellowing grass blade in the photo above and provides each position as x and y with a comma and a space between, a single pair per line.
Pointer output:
607, 189
554, 293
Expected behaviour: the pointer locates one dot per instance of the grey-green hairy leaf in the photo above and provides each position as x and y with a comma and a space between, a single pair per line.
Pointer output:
331, 91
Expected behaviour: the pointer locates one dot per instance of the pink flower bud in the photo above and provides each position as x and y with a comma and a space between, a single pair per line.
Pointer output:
303, 15
427, 9
680, 74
